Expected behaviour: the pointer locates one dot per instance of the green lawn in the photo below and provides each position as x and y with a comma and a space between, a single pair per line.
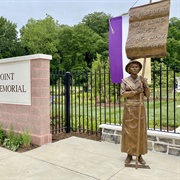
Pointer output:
85, 114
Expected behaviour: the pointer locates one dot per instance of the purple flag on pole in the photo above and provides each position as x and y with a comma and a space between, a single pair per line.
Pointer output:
118, 32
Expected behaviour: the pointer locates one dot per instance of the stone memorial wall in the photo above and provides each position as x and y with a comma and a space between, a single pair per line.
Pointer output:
25, 96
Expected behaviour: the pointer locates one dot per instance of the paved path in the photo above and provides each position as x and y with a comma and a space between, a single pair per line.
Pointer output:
81, 159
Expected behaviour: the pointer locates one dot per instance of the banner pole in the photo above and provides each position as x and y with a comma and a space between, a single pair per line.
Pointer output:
139, 117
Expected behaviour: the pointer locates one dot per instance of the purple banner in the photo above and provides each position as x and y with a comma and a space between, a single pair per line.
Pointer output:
118, 30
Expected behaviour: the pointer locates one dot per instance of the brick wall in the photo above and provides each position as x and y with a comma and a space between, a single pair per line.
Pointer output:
34, 117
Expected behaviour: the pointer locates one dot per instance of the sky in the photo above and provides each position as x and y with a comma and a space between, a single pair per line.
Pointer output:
69, 12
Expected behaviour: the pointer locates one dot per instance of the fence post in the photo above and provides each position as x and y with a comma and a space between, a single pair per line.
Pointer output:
67, 101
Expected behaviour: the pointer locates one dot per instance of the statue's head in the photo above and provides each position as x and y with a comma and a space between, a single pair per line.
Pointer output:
132, 62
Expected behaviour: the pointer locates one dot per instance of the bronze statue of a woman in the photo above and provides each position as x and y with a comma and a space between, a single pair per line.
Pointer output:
131, 88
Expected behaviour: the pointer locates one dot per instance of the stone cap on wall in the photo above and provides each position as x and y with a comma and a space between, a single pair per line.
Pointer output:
149, 132
27, 58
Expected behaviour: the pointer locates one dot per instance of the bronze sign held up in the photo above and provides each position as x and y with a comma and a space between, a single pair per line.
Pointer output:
148, 30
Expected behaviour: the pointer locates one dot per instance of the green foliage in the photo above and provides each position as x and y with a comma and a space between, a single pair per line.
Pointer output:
163, 75
11, 134
40, 36
99, 70
12, 141
86, 112
178, 97
9, 45
73, 47
77, 46
2, 134
81, 77
173, 44
26, 138
98, 22
102, 85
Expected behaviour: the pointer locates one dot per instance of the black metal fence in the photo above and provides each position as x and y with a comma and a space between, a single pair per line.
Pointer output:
82, 101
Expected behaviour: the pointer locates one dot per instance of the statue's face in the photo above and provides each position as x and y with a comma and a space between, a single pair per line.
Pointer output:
134, 68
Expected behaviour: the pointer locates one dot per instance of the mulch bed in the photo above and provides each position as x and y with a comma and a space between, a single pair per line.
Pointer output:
61, 136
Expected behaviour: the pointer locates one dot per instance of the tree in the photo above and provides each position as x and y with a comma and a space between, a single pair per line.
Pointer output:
77, 46
9, 45
40, 36
101, 78
160, 73
99, 23
86, 43
173, 44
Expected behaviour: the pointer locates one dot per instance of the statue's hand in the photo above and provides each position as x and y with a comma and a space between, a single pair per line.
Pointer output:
140, 90
144, 82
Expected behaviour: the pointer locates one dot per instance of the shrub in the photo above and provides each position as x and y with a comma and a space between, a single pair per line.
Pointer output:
26, 138
13, 143
2, 135
11, 134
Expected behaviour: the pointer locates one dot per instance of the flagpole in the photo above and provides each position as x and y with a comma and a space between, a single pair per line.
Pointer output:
140, 109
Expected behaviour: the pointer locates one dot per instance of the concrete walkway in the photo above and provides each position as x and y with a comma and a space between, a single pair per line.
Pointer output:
82, 159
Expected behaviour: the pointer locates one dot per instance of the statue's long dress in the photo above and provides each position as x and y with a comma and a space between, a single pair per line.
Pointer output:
131, 117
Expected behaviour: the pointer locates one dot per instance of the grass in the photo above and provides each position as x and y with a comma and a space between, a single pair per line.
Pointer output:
85, 114
165, 113
26, 138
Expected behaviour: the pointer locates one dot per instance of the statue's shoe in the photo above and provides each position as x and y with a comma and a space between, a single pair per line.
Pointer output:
128, 159
141, 160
